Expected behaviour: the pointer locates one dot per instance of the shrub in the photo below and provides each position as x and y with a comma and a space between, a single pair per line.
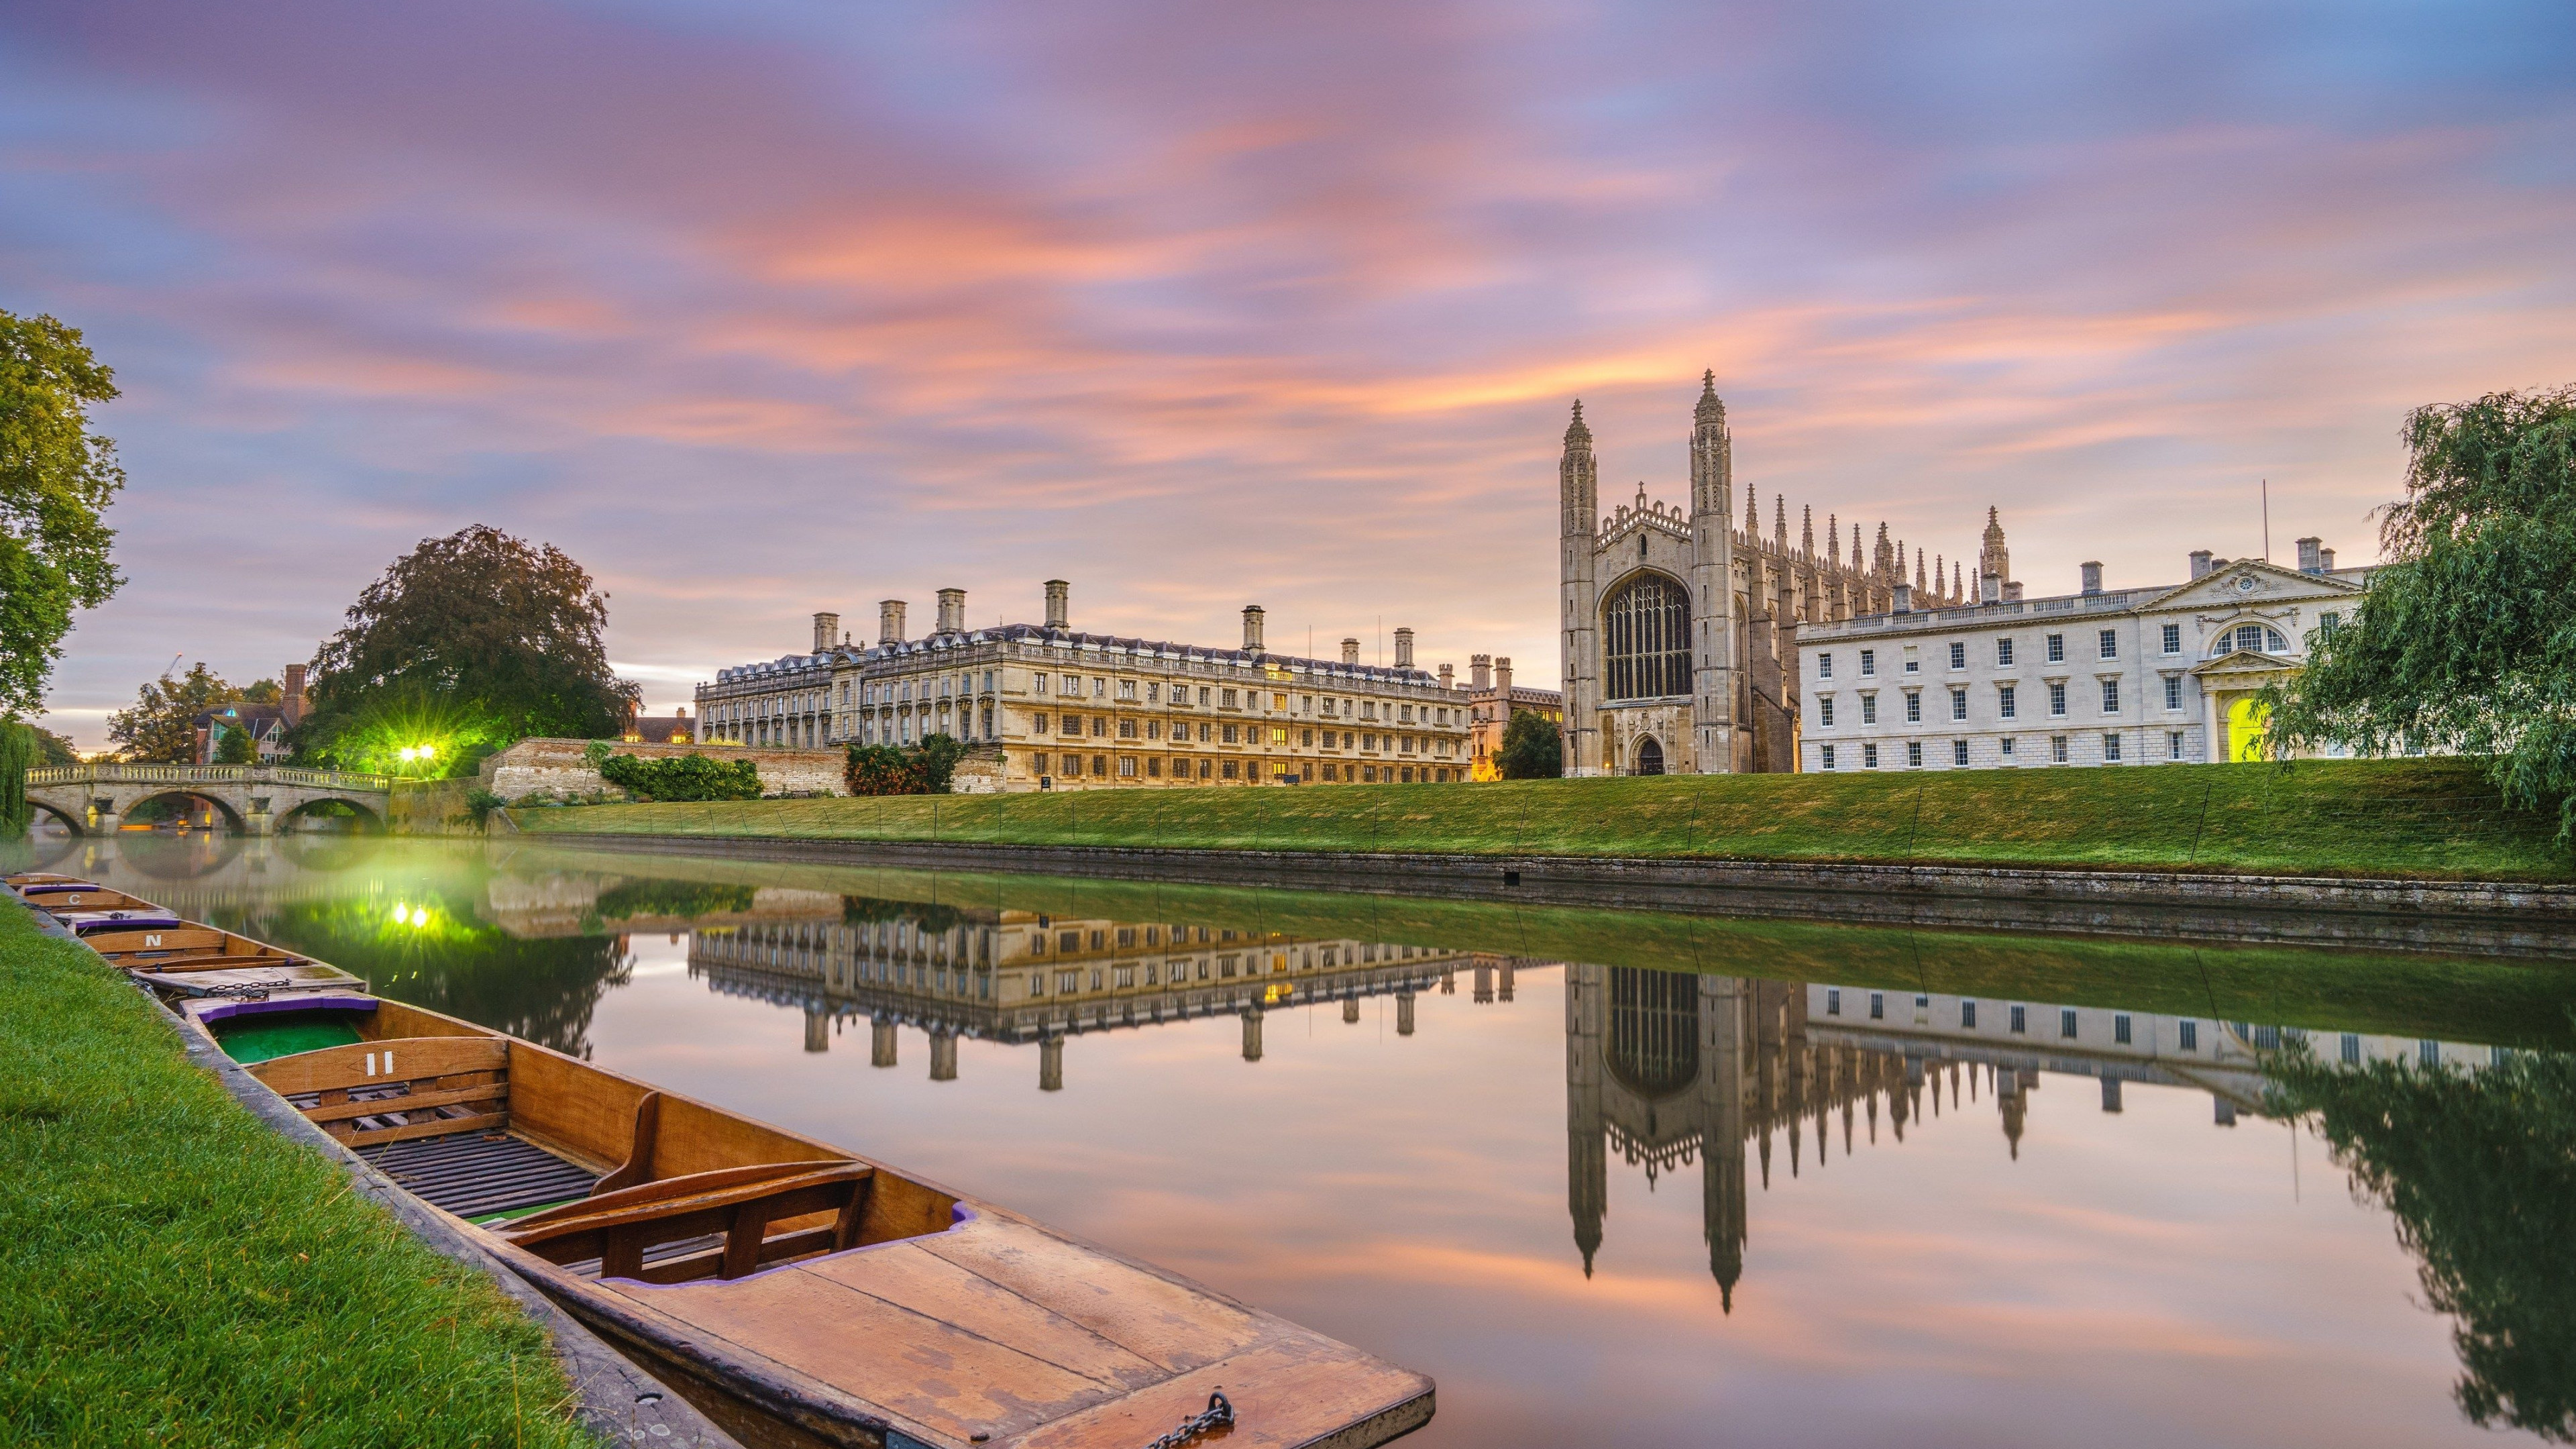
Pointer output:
886, 770
685, 777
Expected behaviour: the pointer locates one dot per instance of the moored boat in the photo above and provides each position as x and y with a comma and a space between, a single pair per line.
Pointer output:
796, 1292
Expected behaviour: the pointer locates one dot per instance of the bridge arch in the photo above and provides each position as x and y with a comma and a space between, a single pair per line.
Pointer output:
370, 821
73, 823
223, 807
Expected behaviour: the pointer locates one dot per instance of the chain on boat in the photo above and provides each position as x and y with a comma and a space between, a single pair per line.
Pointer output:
248, 990
1218, 1414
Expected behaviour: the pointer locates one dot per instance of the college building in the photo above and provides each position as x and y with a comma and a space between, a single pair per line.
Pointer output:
1492, 700
1047, 707
2095, 677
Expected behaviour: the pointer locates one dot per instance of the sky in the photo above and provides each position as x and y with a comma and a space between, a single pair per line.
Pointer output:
762, 308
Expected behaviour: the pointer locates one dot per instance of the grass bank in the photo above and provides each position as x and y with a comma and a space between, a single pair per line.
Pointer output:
172, 1272
2436, 819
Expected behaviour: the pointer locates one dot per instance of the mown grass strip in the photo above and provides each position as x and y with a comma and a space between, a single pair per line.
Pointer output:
173, 1273
2428, 819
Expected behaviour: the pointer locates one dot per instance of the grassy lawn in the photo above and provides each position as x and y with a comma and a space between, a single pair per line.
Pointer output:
172, 1272
2416, 818
2506, 1002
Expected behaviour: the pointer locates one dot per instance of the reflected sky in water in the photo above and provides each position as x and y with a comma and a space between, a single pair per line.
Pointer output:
1806, 1224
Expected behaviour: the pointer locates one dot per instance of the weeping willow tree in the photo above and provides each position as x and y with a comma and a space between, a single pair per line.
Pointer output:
2479, 1171
19, 753
2466, 641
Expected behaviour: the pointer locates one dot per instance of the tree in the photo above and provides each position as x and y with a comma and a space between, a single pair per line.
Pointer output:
2477, 1171
886, 770
2467, 640
469, 642
52, 749
161, 728
263, 691
56, 480
1532, 749
234, 746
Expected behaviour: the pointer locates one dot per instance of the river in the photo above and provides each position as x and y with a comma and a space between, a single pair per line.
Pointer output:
1607, 1177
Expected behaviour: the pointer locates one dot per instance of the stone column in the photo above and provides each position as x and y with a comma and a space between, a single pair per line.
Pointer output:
943, 1056
818, 1030
1050, 1063
881, 1042
1252, 1034
1404, 1013
1351, 1010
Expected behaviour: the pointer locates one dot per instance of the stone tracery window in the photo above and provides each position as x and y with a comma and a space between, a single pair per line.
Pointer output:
1646, 639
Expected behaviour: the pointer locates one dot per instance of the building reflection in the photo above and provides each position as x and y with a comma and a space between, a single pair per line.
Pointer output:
1021, 977
1665, 1069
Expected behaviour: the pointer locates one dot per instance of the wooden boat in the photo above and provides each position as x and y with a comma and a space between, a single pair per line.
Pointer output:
799, 1294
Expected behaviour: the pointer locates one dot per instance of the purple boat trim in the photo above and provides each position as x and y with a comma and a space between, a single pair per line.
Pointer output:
317, 1001
59, 887
85, 922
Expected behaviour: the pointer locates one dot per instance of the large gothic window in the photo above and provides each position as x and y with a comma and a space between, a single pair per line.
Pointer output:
1646, 639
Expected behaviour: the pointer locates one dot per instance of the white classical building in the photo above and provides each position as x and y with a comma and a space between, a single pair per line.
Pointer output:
2121, 677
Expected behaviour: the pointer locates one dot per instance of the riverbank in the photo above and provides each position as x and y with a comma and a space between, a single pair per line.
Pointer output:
2430, 820
173, 1272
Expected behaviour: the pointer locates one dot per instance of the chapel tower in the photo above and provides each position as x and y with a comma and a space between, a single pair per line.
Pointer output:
1578, 487
1712, 584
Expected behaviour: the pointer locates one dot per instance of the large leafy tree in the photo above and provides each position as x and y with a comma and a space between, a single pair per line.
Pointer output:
161, 728
56, 480
1532, 749
2467, 640
470, 641
2479, 1170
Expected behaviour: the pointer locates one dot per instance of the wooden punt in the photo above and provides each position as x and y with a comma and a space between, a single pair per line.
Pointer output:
67, 894
799, 1294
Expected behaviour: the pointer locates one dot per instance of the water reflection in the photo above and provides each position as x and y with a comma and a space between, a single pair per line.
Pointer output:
1882, 1126
1031, 977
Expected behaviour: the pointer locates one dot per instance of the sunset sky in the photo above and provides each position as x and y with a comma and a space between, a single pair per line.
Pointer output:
759, 308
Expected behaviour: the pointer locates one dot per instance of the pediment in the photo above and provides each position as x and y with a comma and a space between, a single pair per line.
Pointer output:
2249, 583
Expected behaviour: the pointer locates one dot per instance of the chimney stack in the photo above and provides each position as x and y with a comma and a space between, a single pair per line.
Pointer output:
952, 611
1503, 677
2325, 560
1480, 672
1058, 594
1350, 651
1404, 649
290, 699
890, 621
2308, 555
827, 627
1252, 629
1448, 676
2200, 563
2092, 577
2012, 591
1904, 598
1990, 588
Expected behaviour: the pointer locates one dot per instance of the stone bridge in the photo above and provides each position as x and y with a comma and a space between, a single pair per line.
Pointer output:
253, 799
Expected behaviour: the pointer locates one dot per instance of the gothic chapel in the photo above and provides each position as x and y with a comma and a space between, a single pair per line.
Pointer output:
1676, 622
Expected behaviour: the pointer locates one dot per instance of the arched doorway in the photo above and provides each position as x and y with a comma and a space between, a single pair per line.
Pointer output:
2247, 724
1649, 758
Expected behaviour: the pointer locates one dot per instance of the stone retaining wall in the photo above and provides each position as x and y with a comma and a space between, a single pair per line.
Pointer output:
2483, 917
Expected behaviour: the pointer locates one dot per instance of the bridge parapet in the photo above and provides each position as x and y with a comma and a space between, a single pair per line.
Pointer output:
125, 774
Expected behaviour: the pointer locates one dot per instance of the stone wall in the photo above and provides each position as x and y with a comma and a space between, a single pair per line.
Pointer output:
563, 767
980, 771
432, 807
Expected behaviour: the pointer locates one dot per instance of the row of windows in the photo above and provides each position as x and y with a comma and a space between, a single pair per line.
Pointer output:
1236, 734
1150, 767
2007, 702
2113, 751
1070, 686
2106, 645
2186, 1033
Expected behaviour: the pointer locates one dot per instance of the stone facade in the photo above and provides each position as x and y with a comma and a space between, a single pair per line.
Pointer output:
2098, 677
563, 767
1492, 700
1675, 622
1074, 710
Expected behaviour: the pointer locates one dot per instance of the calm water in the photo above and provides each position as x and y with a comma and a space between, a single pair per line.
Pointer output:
1601, 1175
